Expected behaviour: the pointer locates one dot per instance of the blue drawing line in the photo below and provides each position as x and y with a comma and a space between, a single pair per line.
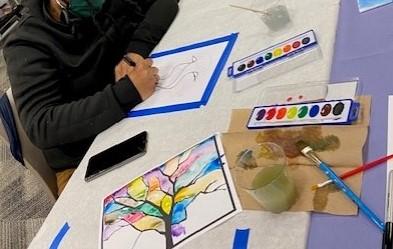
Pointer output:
56, 241
241, 239
230, 39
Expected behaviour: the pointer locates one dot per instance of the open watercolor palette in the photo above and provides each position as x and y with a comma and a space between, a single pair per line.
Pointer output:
274, 60
325, 112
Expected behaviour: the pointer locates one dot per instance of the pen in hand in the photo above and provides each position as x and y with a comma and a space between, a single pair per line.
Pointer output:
129, 61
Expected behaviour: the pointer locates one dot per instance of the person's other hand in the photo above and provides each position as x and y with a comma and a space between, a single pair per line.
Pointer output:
143, 75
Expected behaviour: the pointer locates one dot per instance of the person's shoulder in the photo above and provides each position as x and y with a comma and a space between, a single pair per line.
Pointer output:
31, 28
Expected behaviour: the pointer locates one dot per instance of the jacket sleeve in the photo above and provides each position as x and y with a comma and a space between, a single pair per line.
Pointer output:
48, 120
157, 21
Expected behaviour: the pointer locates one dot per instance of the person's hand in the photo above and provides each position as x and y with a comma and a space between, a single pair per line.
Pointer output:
143, 75
121, 70
123, 67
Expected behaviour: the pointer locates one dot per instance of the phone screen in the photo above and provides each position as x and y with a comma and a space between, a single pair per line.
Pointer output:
110, 158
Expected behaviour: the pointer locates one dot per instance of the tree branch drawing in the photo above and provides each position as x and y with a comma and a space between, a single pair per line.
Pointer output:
158, 200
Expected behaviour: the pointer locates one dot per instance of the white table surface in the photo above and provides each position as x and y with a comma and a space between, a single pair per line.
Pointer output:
169, 134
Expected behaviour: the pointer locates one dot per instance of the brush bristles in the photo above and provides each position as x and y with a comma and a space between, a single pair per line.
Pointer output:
300, 145
303, 147
307, 151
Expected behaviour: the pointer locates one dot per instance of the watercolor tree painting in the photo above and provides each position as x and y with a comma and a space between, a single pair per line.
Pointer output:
171, 203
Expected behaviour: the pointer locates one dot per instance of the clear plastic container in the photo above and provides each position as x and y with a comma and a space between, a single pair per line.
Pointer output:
274, 14
262, 172
308, 91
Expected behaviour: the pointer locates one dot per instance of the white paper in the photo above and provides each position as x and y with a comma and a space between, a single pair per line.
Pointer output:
172, 204
390, 136
389, 149
184, 76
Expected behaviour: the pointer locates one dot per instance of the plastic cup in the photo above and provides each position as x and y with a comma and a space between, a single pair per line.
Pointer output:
276, 17
274, 13
262, 172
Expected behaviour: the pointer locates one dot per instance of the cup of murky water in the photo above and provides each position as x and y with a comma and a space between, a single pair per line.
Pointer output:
273, 13
262, 171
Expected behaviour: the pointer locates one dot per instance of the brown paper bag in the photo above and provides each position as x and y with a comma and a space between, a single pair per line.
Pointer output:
340, 146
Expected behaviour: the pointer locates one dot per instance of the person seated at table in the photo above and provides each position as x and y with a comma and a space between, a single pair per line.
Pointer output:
68, 74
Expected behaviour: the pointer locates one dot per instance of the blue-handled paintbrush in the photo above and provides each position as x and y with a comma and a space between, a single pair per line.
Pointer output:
307, 151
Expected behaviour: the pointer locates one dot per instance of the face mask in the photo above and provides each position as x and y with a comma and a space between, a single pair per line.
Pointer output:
85, 8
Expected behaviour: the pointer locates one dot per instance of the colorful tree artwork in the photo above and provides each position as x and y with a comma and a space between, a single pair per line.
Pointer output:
170, 203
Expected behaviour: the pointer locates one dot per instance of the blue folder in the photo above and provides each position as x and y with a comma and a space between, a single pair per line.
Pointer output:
8, 121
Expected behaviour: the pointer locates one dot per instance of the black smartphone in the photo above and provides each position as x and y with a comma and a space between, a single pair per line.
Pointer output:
114, 156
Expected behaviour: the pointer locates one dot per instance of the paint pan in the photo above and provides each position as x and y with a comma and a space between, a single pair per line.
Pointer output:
325, 112
274, 61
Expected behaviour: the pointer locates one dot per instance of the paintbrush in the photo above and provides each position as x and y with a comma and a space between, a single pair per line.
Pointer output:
250, 9
308, 152
355, 171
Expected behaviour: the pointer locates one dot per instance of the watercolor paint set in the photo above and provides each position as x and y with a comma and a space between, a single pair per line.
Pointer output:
274, 61
324, 112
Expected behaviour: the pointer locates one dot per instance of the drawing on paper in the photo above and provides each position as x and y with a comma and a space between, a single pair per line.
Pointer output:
178, 74
172, 203
188, 76
365, 5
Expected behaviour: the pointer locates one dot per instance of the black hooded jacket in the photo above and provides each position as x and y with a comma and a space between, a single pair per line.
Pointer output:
62, 75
